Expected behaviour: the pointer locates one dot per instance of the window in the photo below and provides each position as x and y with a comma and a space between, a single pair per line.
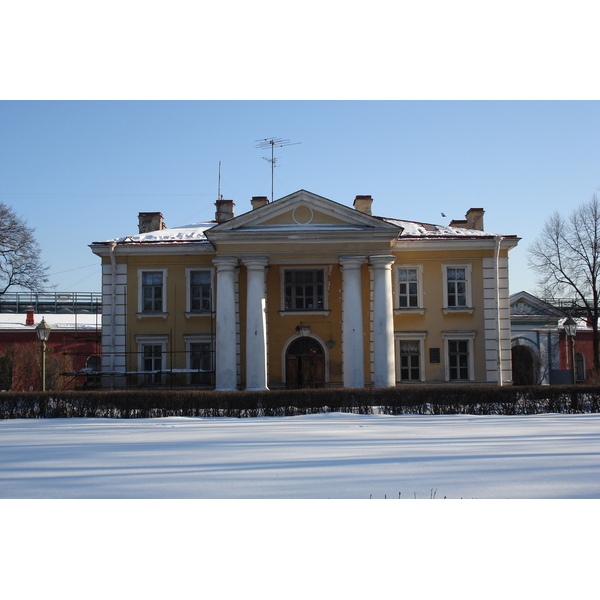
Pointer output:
408, 288
152, 362
200, 291
410, 352
457, 287
152, 289
579, 367
458, 360
201, 362
151, 358
410, 360
456, 281
460, 357
304, 289
152, 292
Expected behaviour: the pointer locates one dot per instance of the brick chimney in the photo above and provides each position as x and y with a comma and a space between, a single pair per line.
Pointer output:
224, 210
475, 218
150, 221
29, 318
258, 201
363, 204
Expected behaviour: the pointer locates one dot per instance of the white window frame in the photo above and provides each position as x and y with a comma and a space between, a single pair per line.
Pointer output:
420, 308
468, 293
151, 340
410, 336
190, 339
188, 292
141, 312
317, 311
459, 336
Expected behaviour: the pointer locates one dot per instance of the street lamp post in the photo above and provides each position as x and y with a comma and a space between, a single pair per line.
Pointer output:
570, 330
43, 333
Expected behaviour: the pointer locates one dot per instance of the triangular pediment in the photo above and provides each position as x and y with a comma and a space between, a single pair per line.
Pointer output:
524, 304
303, 211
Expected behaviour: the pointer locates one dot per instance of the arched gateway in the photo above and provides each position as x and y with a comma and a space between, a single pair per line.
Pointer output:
305, 364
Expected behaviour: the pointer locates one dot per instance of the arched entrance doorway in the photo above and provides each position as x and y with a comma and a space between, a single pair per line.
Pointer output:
305, 364
524, 366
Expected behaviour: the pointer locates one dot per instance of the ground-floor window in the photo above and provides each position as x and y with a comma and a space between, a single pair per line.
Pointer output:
152, 362
151, 359
201, 363
410, 360
458, 360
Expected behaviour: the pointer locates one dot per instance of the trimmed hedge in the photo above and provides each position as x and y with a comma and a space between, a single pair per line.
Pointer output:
135, 404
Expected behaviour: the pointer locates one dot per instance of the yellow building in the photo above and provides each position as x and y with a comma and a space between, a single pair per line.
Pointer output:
305, 292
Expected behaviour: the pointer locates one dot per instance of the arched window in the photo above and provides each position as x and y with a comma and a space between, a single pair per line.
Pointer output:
579, 367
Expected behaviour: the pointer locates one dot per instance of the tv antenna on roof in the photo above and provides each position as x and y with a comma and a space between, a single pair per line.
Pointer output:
272, 142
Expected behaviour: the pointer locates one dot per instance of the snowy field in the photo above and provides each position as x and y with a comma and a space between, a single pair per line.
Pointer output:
336, 456
297, 549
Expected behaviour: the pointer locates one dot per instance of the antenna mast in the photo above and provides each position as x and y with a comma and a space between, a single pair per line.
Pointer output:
272, 142
219, 190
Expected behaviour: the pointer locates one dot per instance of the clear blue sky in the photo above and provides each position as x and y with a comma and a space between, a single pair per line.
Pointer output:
79, 167
80, 171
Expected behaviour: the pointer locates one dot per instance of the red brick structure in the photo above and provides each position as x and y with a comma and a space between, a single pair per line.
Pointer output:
72, 354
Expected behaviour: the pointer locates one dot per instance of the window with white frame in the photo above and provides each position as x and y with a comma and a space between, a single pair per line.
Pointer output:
459, 355
151, 358
458, 360
457, 286
200, 359
410, 360
408, 284
304, 289
410, 352
199, 291
152, 291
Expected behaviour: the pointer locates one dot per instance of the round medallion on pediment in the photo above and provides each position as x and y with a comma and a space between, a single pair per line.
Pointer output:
303, 215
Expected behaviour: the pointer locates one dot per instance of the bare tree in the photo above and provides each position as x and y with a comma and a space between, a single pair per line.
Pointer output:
566, 257
20, 260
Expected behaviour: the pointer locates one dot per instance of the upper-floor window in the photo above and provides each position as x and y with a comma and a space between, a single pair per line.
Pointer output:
304, 289
152, 291
200, 291
457, 286
408, 287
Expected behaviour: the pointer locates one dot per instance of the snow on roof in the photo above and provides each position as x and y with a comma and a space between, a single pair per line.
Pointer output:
415, 229
195, 232
62, 322
185, 233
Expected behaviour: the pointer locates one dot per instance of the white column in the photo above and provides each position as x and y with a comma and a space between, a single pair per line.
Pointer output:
225, 346
256, 326
352, 322
383, 321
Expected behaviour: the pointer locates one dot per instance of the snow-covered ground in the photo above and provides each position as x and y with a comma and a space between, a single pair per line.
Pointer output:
318, 456
98, 549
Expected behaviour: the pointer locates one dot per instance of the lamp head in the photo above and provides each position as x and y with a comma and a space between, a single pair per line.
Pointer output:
570, 327
43, 331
